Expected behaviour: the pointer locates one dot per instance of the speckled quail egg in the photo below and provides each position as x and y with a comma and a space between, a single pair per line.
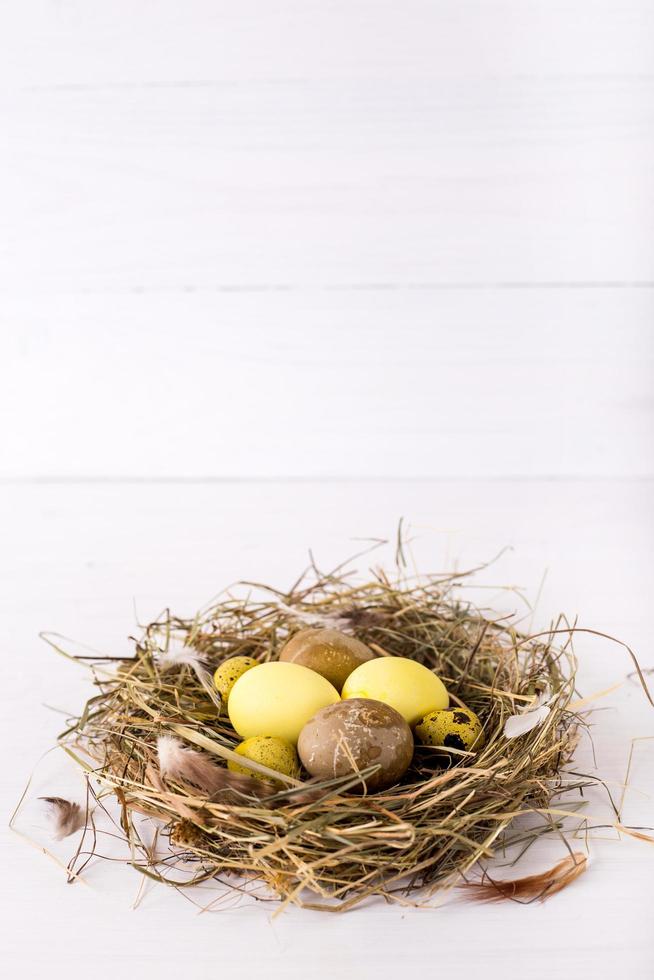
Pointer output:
274, 753
329, 652
229, 672
452, 728
184, 834
352, 735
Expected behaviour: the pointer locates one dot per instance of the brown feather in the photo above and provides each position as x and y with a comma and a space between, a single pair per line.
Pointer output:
66, 816
532, 887
178, 761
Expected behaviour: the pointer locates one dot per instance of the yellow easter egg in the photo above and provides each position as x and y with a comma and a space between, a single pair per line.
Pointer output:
229, 672
409, 687
275, 753
454, 728
278, 699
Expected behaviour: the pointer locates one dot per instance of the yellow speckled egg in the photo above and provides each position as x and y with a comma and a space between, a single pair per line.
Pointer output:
229, 672
278, 699
275, 753
329, 652
454, 728
409, 687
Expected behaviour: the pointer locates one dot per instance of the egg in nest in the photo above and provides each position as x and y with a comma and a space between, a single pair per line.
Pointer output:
274, 753
451, 728
329, 652
352, 735
403, 683
278, 699
229, 672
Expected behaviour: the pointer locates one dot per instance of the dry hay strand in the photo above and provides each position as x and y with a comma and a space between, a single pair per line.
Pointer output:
317, 844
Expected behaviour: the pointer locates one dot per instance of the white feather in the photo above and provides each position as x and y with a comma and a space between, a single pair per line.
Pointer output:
178, 655
517, 725
170, 752
339, 621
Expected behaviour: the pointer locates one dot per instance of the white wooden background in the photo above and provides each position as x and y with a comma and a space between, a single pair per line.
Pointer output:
273, 274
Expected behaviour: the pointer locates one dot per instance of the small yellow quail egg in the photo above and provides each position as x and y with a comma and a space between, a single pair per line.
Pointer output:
275, 753
229, 672
184, 834
451, 728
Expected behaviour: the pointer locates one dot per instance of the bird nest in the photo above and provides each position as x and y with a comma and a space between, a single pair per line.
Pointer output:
329, 844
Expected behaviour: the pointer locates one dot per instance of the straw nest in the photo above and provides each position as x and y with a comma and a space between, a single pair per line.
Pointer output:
319, 844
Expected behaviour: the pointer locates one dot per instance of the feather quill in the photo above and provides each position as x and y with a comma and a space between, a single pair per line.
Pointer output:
66, 816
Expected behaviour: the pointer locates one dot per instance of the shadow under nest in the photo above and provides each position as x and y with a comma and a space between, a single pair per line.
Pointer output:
327, 845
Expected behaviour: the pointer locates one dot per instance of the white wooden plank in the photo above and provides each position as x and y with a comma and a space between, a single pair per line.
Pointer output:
396, 181
289, 144
73, 559
90, 42
173, 160
334, 384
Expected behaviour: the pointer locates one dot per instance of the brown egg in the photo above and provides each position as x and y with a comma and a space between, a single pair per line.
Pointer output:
330, 653
355, 734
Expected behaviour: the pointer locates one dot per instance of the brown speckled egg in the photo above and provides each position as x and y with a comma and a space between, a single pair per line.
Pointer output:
357, 733
329, 652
